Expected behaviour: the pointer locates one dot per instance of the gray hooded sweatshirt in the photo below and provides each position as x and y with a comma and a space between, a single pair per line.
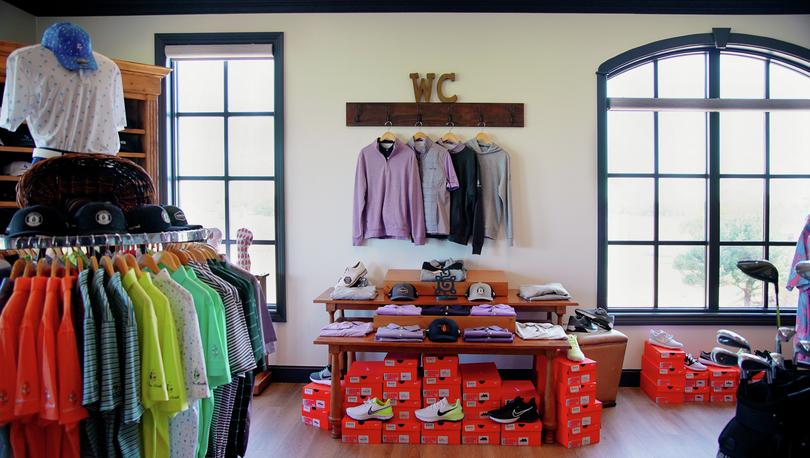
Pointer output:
496, 188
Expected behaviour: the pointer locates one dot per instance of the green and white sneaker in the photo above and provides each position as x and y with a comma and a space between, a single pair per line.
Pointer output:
373, 409
441, 411
574, 353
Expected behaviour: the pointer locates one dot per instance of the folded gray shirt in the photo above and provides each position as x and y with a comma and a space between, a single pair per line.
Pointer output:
548, 292
365, 293
396, 333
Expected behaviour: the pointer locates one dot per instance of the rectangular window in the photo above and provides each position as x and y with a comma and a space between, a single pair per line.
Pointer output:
225, 143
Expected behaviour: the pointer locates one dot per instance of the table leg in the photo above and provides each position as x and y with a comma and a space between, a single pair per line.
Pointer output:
330, 309
560, 316
350, 358
549, 401
336, 400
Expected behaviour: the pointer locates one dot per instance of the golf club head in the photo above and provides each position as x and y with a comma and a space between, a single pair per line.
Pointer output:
785, 333
778, 360
803, 269
801, 347
724, 357
732, 339
750, 364
759, 269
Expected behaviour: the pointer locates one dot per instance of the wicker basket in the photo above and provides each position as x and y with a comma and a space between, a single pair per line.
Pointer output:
62, 181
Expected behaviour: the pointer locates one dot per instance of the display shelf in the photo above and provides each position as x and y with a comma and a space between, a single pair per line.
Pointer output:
7, 204
13, 178
47, 241
16, 149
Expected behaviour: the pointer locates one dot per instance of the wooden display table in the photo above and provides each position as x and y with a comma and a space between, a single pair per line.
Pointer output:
338, 346
333, 305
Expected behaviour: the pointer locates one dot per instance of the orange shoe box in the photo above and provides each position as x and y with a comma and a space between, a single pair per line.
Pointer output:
434, 393
313, 411
564, 412
401, 432
482, 394
442, 432
691, 375
440, 365
581, 400
588, 435
373, 390
453, 380
361, 432
664, 369
697, 397
399, 366
510, 389
402, 390
724, 382
569, 372
661, 394
696, 389
318, 421
718, 398
715, 390
568, 390
477, 409
480, 376
364, 372
695, 384
404, 410
530, 434
591, 416
480, 432
354, 400
656, 354
316, 395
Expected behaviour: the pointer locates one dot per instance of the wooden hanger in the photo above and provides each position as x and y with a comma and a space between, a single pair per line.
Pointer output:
93, 263
80, 261
387, 136
30, 269
107, 264
133, 264
42, 267
419, 135
120, 264
148, 262
450, 136
54, 269
482, 137
67, 267
18, 268
168, 259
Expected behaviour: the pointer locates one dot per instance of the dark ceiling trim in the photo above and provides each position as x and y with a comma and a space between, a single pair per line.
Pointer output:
161, 7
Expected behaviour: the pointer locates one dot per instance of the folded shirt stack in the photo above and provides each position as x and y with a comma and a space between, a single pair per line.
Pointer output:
361, 291
539, 331
492, 310
549, 292
432, 269
396, 333
446, 310
347, 329
487, 334
402, 310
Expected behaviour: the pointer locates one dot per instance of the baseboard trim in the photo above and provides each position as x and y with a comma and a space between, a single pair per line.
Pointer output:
630, 377
300, 374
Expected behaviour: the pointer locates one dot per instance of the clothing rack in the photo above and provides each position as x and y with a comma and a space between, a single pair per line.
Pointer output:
37, 242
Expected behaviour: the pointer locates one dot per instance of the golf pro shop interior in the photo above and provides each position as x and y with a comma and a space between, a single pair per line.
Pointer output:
642, 150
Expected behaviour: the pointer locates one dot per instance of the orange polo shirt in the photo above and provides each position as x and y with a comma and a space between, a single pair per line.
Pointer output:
10, 321
69, 376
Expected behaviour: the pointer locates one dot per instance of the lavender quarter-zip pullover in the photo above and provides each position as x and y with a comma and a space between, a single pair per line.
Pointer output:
388, 195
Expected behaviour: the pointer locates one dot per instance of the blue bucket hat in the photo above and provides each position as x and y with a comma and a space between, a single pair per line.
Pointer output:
72, 46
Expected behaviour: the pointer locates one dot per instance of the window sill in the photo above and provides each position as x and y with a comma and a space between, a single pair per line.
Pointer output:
631, 318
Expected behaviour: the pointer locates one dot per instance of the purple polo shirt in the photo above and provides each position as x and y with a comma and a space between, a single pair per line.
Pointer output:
388, 196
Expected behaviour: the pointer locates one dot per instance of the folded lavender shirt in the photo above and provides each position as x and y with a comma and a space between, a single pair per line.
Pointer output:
488, 331
396, 333
492, 310
487, 339
347, 329
403, 310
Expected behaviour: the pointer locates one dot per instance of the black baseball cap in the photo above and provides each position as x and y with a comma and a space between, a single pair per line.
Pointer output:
149, 219
178, 218
443, 330
403, 292
36, 220
98, 218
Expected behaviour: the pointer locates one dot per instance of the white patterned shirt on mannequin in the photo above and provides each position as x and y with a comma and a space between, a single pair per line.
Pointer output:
79, 111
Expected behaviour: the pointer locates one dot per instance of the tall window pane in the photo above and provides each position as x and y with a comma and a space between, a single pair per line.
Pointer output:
741, 204
681, 142
742, 142
682, 276
630, 142
682, 209
199, 86
630, 278
736, 288
630, 209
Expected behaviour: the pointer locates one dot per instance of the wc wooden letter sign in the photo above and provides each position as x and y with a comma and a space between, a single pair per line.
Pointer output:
423, 87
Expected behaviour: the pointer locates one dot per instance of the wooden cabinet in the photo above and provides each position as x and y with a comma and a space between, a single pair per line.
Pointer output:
142, 86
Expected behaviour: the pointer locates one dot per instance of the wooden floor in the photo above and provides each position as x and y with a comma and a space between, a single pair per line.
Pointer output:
634, 428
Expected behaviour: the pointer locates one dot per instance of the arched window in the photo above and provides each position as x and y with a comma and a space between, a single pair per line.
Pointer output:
704, 159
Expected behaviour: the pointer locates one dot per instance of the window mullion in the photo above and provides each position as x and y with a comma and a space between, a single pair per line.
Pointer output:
227, 186
656, 188
713, 270
766, 211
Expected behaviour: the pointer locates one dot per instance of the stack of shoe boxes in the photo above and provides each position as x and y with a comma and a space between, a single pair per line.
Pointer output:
663, 374
441, 379
481, 392
361, 432
363, 381
520, 433
402, 385
723, 383
696, 387
579, 413
315, 408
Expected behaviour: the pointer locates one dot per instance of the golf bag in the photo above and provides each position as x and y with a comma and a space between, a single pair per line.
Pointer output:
770, 420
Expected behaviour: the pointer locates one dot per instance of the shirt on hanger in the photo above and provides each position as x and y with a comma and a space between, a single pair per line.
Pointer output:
92, 427
69, 372
10, 321
48, 405
128, 438
438, 178
268, 331
248, 300
79, 111
6, 288
28, 359
224, 400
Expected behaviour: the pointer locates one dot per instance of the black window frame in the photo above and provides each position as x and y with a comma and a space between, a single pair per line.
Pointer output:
276, 39
719, 40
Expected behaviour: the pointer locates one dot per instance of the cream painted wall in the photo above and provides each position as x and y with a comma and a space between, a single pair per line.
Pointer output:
16, 24
545, 61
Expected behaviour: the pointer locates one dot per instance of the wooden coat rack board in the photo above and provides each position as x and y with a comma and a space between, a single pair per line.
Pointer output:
434, 114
